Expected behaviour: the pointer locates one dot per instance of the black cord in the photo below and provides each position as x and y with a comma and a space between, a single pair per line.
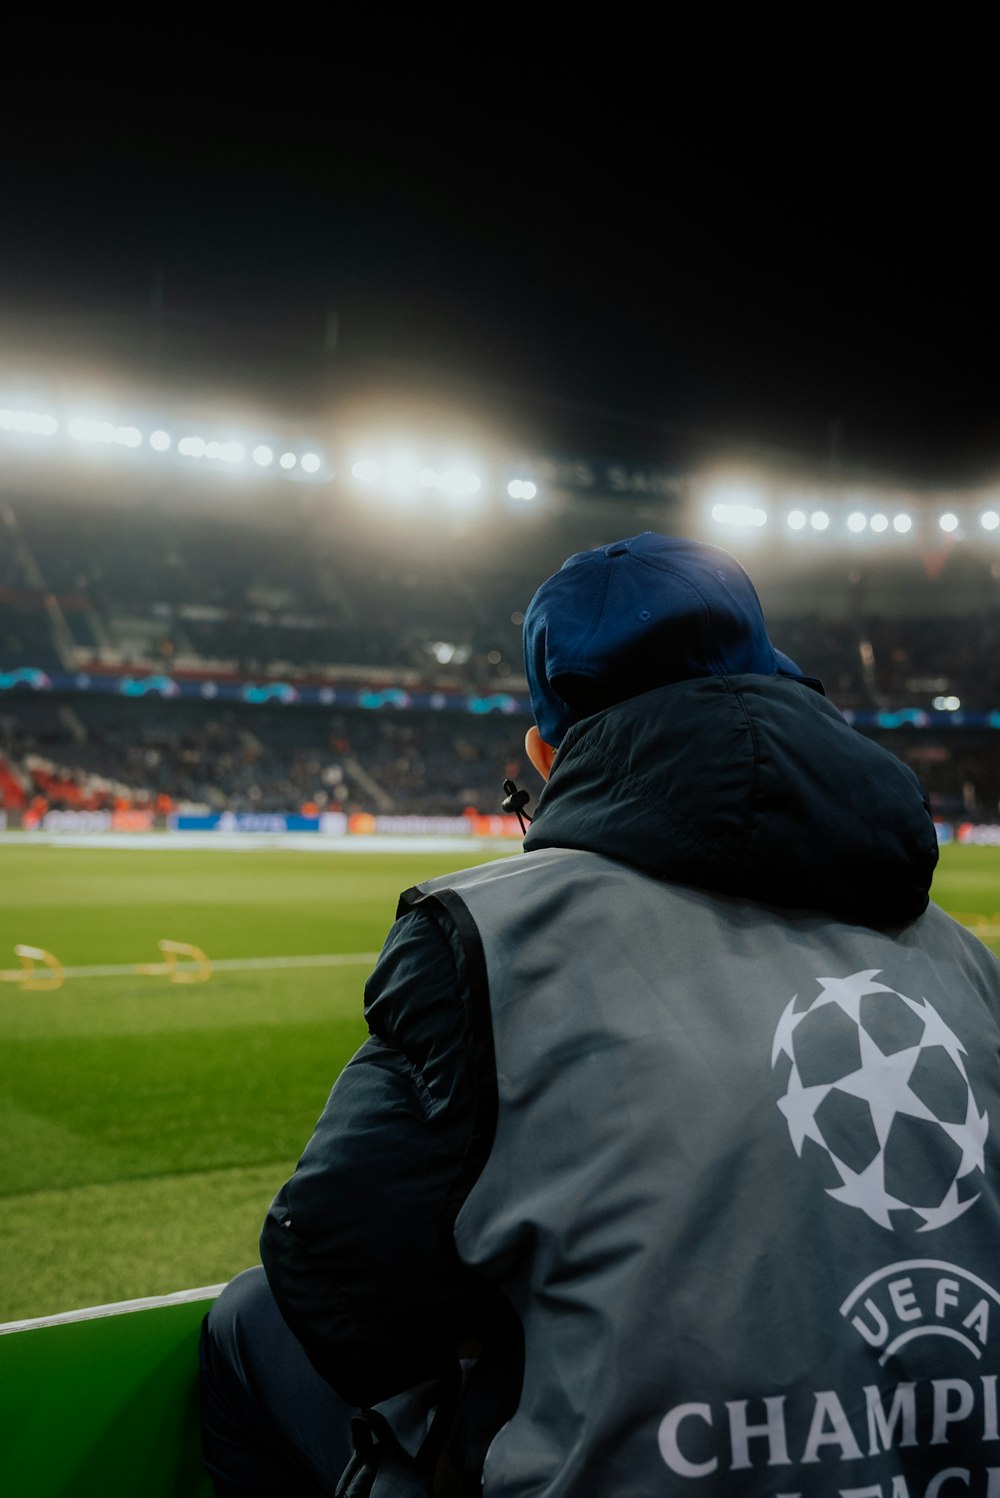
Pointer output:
514, 802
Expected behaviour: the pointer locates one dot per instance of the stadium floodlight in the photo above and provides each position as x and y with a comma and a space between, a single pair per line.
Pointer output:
947, 704
819, 520
224, 452
262, 455
84, 429
81, 429
879, 523
738, 502
989, 520
460, 483
288, 460
795, 520
857, 522
739, 514
522, 489
948, 522
399, 474
310, 463
902, 523
366, 471
160, 441
33, 423
191, 447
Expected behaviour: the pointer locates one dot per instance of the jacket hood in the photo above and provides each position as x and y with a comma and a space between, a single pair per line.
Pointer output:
746, 785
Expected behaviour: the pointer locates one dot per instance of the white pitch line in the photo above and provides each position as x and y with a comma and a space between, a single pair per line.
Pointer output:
251, 964
261, 964
269, 842
223, 965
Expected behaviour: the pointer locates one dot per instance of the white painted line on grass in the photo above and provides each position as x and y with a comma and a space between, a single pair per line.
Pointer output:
222, 965
320, 959
255, 842
117, 1308
132, 969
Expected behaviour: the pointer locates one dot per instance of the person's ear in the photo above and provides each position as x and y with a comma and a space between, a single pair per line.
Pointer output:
539, 752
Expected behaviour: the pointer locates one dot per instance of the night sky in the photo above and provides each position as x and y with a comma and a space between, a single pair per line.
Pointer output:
783, 237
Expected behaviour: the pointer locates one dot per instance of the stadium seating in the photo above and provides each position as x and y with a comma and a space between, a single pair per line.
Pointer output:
256, 759
249, 592
155, 586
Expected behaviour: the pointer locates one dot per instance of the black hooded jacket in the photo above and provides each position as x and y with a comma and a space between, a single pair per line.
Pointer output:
746, 785
750, 786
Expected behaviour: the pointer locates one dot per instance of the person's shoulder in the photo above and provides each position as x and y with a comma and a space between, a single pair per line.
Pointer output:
417, 969
417, 1003
965, 939
459, 879
417, 940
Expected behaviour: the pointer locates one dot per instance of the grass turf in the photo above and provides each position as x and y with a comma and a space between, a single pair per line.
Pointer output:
144, 1127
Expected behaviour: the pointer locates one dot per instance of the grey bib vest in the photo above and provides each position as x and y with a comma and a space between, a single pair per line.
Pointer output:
737, 1174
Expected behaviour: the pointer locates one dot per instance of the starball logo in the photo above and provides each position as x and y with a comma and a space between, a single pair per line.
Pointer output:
878, 1082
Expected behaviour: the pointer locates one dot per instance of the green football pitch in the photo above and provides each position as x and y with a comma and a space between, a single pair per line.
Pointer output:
145, 1125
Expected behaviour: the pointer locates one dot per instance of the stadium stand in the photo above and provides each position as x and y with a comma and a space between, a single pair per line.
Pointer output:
155, 587
198, 589
101, 752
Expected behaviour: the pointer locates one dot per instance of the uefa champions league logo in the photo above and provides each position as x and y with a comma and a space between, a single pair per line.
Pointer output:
876, 1099
878, 1083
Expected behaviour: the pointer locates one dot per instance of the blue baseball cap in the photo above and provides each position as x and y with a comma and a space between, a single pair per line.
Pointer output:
639, 614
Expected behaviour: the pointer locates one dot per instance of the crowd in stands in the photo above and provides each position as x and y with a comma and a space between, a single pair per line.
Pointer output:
98, 753
288, 594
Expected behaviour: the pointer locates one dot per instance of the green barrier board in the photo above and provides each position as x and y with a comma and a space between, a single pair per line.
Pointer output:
104, 1408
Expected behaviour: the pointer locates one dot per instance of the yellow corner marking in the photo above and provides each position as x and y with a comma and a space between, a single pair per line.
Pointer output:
30, 976
168, 969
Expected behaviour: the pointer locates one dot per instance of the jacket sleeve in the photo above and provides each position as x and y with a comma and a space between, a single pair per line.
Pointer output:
357, 1246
